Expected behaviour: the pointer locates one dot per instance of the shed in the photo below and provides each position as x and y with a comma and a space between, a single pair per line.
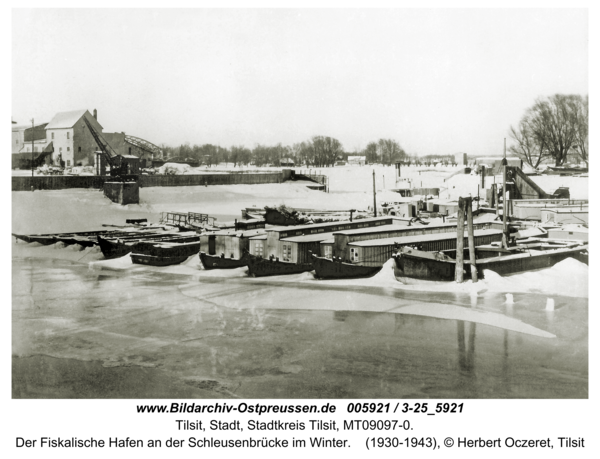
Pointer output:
344, 239
229, 243
376, 252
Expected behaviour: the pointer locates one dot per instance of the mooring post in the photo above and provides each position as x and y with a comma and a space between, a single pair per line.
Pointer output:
471, 240
460, 240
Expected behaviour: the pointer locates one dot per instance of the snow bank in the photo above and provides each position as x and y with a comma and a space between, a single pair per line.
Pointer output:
174, 168
567, 278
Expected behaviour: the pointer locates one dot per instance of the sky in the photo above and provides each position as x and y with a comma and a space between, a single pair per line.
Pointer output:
439, 81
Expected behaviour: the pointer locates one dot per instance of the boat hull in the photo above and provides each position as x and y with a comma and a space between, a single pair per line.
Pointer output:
259, 267
183, 249
217, 262
151, 260
326, 268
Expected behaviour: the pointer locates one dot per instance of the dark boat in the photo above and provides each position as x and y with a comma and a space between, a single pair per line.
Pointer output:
326, 268
259, 267
220, 262
167, 249
438, 266
118, 247
152, 260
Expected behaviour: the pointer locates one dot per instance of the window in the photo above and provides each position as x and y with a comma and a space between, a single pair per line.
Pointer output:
353, 255
17, 141
60, 150
328, 251
68, 148
68, 162
287, 252
53, 136
68, 135
258, 249
79, 150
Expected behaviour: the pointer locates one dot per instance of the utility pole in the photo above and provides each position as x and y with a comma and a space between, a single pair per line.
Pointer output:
504, 203
32, 147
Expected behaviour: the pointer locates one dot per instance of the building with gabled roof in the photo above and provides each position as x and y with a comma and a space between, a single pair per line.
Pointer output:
73, 142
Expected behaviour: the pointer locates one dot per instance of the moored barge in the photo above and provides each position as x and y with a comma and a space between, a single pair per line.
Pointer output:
438, 266
328, 268
259, 267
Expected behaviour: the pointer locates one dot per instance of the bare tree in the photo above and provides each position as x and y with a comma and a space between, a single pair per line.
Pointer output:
582, 129
554, 122
390, 151
370, 153
527, 146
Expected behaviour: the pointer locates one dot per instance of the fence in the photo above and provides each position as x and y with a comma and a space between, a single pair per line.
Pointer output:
60, 182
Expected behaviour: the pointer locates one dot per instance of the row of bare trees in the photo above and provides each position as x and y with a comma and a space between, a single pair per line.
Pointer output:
551, 129
319, 151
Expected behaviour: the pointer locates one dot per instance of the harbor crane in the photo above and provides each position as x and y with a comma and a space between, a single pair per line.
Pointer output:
118, 167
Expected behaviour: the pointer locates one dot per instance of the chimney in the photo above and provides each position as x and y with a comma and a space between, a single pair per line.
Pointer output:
96, 114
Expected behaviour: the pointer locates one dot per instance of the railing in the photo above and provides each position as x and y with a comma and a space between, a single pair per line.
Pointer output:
186, 219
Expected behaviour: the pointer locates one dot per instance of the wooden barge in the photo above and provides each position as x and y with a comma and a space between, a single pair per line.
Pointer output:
440, 266
328, 268
259, 267
84, 238
118, 247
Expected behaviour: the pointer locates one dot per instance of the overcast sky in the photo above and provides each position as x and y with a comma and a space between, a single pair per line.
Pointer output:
437, 81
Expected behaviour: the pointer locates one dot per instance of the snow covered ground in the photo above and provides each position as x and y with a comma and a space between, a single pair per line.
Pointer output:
351, 187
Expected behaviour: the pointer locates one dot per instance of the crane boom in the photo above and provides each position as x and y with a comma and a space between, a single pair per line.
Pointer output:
108, 152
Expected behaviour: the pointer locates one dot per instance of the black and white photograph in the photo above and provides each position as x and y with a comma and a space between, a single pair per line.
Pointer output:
318, 204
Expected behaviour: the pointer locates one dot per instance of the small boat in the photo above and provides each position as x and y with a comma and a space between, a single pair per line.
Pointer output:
327, 268
220, 262
440, 266
259, 267
151, 260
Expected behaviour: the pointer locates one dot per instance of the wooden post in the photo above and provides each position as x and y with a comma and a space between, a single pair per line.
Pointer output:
460, 240
471, 240
374, 196
482, 177
504, 210
32, 145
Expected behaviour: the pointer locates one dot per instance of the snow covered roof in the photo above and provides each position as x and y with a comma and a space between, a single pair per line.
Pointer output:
420, 238
64, 120
22, 127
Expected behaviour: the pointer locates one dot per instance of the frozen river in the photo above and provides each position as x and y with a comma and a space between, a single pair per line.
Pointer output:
92, 331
